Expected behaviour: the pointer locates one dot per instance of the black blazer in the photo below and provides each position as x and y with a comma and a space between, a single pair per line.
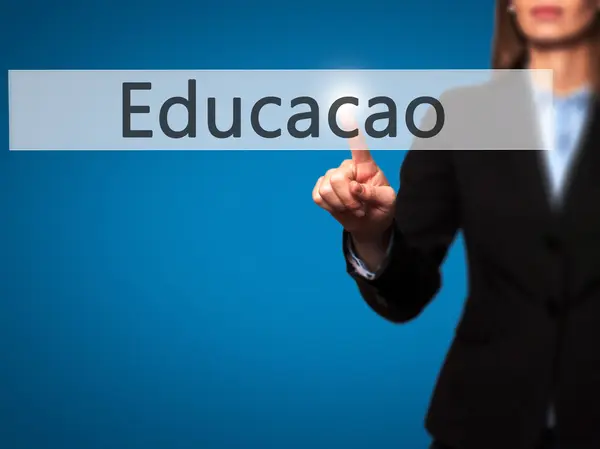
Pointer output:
530, 331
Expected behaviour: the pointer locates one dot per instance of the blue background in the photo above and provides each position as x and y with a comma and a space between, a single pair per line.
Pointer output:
185, 300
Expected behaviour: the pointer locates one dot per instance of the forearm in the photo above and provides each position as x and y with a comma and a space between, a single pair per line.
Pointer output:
403, 283
427, 216
372, 250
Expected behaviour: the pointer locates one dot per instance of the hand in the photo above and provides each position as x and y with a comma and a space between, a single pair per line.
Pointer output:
358, 195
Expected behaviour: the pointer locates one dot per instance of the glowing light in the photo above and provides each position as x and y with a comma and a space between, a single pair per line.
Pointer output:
347, 114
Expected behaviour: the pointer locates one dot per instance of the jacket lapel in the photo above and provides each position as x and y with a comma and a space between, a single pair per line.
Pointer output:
585, 168
531, 171
529, 166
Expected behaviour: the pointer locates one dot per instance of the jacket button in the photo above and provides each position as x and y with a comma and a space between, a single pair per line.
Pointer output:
553, 307
552, 242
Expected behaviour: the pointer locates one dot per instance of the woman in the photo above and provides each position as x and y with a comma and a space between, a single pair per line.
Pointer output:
523, 371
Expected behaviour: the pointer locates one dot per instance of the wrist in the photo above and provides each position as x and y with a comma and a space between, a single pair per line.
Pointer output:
376, 241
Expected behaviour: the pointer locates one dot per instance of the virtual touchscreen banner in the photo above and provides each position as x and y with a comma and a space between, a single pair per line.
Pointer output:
276, 109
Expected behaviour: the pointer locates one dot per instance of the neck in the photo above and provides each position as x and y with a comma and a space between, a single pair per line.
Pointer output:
571, 66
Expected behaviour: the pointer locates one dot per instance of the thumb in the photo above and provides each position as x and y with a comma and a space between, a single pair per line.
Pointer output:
376, 195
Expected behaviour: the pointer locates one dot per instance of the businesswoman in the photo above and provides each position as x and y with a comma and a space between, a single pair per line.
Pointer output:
523, 371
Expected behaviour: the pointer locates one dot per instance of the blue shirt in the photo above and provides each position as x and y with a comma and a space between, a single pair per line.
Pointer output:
568, 115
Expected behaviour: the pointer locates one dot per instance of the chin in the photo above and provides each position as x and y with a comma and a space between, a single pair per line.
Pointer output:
548, 40
555, 40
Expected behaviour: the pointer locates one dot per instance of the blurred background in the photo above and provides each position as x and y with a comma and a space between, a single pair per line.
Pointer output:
179, 300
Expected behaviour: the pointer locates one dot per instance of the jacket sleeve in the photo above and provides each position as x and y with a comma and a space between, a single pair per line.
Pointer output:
425, 225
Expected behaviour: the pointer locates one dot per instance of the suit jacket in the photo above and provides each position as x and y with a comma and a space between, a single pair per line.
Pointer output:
529, 334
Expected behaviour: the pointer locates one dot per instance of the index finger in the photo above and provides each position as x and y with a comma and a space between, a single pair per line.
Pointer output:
358, 144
